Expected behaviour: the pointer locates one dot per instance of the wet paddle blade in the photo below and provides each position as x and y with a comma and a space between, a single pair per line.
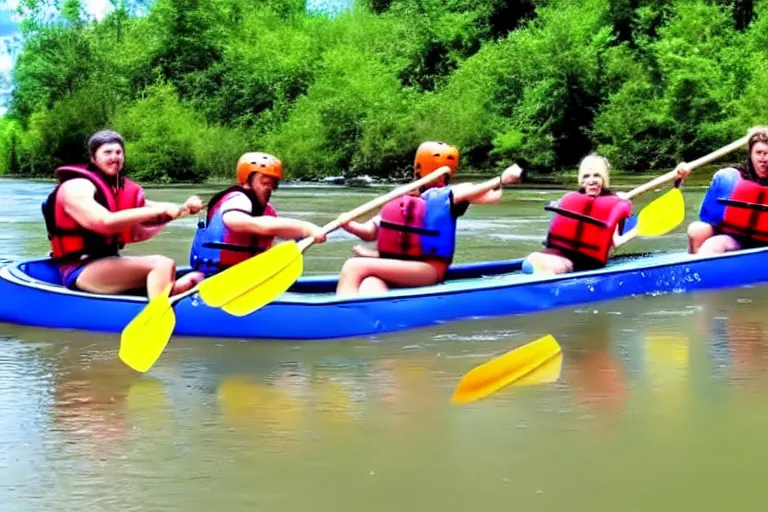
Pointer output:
547, 373
145, 337
662, 215
239, 279
266, 291
502, 371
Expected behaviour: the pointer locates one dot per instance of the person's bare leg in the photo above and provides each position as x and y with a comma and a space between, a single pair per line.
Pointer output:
186, 282
391, 271
372, 286
718, 244
122, 273
698, 233
550, 260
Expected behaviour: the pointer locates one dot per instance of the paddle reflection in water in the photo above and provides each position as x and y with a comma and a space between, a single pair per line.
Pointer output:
98, 407
261, 409
295, 404
290, 402
735, 325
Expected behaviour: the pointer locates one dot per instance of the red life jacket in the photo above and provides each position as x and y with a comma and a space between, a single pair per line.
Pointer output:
746, 211
418, 227
586, 224
71, 242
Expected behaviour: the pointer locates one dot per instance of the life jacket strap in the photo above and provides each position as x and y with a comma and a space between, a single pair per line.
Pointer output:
231, 247
409, 229
743, 204
577, 216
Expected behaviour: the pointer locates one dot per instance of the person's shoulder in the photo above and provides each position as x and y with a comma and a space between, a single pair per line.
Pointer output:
236, 200
734, 171
76, 187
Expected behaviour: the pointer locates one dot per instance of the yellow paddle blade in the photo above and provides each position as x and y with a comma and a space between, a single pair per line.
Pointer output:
545, 374
267, 290
145, 337
229, 284
662, 215
497, 373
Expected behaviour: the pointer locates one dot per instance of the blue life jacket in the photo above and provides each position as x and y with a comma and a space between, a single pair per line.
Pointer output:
215, 247
712, 211
419, 227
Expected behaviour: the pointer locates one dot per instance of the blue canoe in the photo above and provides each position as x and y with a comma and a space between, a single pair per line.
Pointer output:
32, 295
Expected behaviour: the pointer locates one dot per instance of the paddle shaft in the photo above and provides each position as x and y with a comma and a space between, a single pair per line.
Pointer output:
375, 203
671, 175
664, 178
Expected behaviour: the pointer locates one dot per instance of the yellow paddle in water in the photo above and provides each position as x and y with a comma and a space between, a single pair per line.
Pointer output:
534, 363
146, 336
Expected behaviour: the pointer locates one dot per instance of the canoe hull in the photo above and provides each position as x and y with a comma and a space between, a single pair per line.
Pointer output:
478, 290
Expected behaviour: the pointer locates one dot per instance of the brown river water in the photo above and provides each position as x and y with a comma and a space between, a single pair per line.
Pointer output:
659, 405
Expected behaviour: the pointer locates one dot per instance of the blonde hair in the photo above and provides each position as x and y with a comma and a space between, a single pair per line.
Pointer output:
595, 163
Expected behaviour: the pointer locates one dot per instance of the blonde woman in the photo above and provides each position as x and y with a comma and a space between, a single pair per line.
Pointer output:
586, 226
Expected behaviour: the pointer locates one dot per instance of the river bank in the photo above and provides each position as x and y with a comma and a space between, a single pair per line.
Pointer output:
619, 179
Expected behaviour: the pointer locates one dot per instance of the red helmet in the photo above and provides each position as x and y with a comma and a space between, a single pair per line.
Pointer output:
433, 155
262, 163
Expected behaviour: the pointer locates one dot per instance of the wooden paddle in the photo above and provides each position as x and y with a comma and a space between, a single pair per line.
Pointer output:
272, 272
666, 212
277, 272
521, 366
672, 175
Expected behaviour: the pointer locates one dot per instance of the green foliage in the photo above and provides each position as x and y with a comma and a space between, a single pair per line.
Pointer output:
10, 139
192, 84
167, 141
687, 106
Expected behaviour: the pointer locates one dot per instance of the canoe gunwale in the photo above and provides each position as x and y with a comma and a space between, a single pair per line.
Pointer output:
37, 302
628, 263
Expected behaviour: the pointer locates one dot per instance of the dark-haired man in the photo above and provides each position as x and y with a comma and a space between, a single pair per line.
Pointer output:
95, 211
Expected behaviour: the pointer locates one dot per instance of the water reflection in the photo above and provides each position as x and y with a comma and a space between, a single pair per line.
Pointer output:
295, 400
735, 325
592, 371
654, 393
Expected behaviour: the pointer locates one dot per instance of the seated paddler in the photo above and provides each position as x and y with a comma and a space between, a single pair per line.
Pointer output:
586, 226
95, 211
415, 234
734, 211
241, 222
